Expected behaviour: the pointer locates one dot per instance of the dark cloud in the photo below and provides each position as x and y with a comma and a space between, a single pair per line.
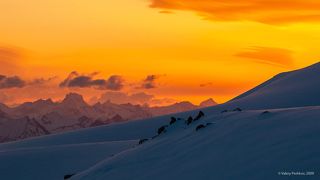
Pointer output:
114, 82
7, 82
149, 82
75, 79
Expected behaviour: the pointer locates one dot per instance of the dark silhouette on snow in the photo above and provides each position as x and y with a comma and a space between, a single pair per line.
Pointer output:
189, 121
200, 115
68, 176
143, 141
237, 109
208, 124
162, 129
173, 120
265, 112
224, 111
200, 127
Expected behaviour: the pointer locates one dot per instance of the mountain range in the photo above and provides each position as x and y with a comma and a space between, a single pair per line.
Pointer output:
269, 132
44, 117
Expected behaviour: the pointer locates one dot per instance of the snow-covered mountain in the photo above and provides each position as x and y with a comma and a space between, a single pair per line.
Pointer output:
233, 145
32, 109
174, 108
72, 113
240, 139
45, 117
21, 128
207, 103
290, 89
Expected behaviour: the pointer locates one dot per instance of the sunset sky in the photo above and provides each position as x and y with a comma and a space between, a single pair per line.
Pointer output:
151, 51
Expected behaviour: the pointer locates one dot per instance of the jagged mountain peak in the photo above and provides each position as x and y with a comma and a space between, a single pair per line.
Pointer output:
73, 98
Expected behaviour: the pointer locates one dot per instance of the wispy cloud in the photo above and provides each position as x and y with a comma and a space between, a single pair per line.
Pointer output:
10, 58
265, 11
206, 84
269, 55
4, 98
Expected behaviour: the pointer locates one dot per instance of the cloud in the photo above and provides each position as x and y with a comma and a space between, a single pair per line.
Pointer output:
75, 79
162, 101
206, 84
114, 82
9, 59
134, 98
7, 82
4, 98
166, 12
41, 81
264, 11
9, 53
150, 82
268, 55
123, 98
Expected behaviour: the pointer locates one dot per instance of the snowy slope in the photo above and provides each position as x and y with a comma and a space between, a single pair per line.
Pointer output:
249, 144
238, 145
53, 162
131, 130
291, 89
53, 156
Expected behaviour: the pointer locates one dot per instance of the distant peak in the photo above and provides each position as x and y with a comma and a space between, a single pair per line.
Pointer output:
73, 98
97, 104
108, 103
44, 101
2, 105
208, 102
73, 95
184, 103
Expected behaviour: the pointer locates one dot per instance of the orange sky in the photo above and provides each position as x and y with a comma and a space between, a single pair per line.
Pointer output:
195, 49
